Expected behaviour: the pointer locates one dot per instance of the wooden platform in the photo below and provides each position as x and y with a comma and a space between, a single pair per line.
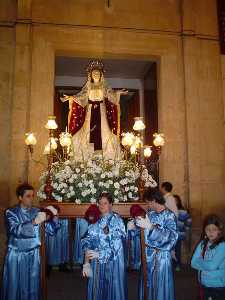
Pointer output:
71, 210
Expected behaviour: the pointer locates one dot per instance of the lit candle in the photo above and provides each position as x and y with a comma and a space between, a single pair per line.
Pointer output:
30, 139
138, 142
65, 139
51, 124
128, 139
52, 145
138, 124
133, 149
159, 139
147, 151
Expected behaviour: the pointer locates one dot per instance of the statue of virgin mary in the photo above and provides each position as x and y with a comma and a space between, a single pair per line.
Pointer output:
94, 116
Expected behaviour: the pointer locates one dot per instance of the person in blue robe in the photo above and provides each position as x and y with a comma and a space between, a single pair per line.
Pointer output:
57, 247
80, 231
134, 238
21, 274
184, 223
104, 255
161, 234
133, 246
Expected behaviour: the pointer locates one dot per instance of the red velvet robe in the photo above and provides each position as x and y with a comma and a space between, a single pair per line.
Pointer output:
77, 119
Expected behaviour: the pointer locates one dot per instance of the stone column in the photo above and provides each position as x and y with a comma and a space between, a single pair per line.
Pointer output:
204, 109
6, 81
21, 96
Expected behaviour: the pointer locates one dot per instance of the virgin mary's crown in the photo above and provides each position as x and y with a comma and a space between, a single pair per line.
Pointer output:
95, 65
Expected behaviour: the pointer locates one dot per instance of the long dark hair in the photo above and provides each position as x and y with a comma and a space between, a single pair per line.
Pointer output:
212, 220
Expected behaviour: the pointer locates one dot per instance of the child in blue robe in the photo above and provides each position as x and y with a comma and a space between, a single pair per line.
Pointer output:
134, 238
134, 247
104, 247
57, 246
184, 223
80, 231
161, 234
21, 274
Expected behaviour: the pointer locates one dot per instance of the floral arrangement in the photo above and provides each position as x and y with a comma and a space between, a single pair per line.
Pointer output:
82, 182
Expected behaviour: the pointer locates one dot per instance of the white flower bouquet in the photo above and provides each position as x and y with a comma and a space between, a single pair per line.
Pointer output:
82, 182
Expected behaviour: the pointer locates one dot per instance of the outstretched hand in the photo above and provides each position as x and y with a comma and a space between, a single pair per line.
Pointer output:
123, 92
66, 98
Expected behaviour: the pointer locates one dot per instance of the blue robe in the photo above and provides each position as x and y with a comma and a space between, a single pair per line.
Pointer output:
21, 275
184, 223
57, 246
107, 237
160, 240
184, 227
80, 231
134, 248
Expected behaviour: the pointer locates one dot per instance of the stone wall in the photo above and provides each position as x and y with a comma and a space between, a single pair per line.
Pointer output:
183, 39
144, 14
6, 87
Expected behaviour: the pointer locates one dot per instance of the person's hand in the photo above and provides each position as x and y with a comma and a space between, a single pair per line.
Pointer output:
53, 210
40, 218
91, 254
66, 98
173, 255
131, 225
144, 222
87, 271
56, 219
123, 92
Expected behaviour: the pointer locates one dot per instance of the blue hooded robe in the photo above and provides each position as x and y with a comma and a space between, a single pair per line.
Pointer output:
57, 245
21, 274
160, 240
107, 237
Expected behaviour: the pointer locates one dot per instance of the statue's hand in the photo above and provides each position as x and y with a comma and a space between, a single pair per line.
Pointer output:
123, 92
66, 98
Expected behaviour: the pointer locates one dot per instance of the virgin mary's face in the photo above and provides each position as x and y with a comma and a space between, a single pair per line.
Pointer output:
96, 75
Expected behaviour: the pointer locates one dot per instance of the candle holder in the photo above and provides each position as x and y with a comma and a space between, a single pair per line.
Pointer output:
147, 155
30, 141
127, 141
65, 140
50, 148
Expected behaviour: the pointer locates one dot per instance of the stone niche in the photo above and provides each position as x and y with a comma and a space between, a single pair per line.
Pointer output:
49, 41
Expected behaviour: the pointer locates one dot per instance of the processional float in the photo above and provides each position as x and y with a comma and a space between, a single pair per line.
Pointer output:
93, 156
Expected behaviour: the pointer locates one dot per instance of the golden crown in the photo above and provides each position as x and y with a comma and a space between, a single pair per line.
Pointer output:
95, 65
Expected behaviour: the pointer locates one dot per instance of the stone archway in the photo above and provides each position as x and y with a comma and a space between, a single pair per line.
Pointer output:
49, 41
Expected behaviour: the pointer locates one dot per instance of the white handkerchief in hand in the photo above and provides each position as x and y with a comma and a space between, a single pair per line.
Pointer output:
144, 222
40, 218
